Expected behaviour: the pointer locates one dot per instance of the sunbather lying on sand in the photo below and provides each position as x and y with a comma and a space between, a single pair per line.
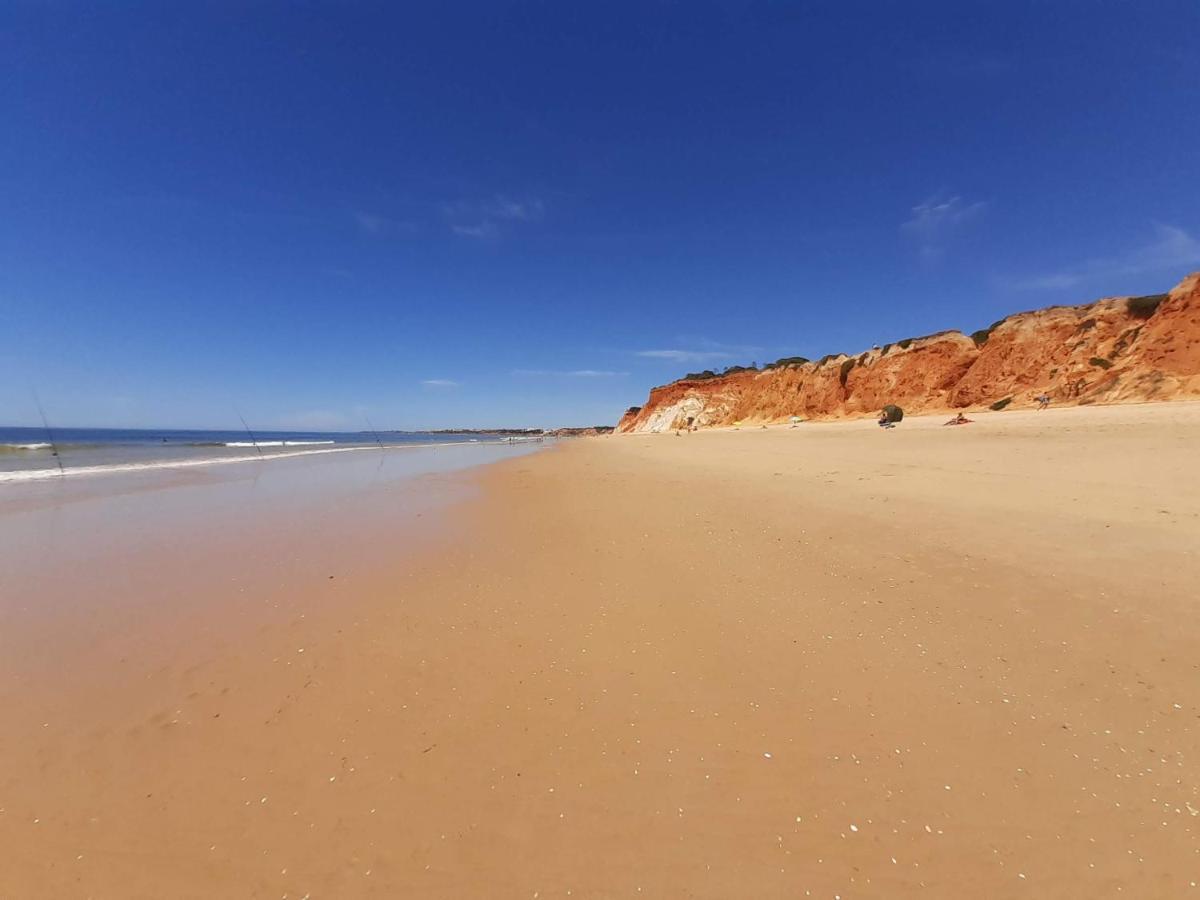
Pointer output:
960, 419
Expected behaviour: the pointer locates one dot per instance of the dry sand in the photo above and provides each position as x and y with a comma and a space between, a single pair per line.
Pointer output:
829, 661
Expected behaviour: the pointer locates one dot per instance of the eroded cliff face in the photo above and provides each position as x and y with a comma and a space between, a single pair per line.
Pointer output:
1115, 350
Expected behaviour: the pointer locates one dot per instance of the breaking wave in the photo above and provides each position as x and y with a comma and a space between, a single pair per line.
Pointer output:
275, 443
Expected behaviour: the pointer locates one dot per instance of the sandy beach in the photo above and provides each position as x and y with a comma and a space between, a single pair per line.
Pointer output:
830, 661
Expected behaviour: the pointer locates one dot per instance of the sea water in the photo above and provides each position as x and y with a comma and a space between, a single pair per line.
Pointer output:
33, 454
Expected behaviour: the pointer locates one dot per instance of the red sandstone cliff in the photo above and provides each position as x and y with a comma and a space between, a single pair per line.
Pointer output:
1115, 350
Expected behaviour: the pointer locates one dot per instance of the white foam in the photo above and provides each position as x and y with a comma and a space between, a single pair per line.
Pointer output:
27, 446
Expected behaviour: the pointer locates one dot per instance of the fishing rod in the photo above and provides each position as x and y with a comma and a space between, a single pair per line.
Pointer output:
379, 441
49, 434
249, 432
373, 431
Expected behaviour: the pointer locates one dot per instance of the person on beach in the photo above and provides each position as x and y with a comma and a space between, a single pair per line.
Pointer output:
960, 419
1043, 400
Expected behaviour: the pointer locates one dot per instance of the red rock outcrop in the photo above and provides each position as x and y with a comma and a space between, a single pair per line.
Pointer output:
1116, 350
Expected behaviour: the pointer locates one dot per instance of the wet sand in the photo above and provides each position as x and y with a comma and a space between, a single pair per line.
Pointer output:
829, 661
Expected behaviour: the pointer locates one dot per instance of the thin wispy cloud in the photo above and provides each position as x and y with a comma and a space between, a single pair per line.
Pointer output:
937, 220
696, 349
373, 224
676, 355
482, 230
1051, 282
439, 383
488, 218
517, 210
369, 222
1170, 247
572, 373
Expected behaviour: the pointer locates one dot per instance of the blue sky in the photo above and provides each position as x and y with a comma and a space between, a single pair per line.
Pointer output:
530, 213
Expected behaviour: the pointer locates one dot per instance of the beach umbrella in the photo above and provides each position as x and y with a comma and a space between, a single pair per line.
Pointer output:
795, 420
893, 413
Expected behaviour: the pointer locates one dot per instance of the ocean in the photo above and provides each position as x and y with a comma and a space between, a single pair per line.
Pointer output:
32, 454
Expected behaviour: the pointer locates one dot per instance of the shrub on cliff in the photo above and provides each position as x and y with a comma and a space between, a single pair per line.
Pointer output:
1000, 404
1144, 307
788, 362
700, 376
1102, 363
981, 336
